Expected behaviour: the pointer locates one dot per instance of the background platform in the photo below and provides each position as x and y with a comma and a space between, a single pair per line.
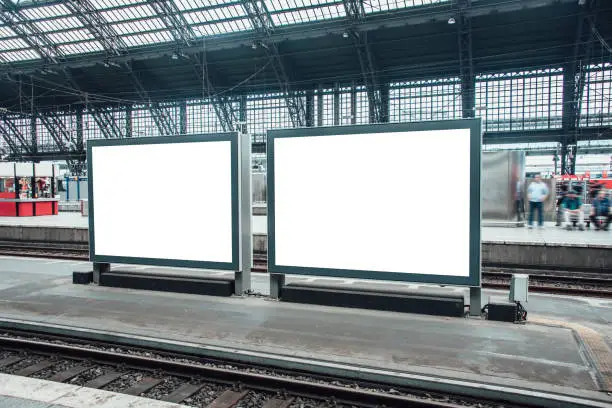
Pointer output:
513, 247
467, 349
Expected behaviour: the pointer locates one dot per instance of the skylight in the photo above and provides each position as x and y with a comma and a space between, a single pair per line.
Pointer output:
377, 6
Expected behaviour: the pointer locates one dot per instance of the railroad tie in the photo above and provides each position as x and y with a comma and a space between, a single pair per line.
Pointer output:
10, 361
103, 380
278, 403
68, 374
34, 368
228, 399
182, 392
143, 386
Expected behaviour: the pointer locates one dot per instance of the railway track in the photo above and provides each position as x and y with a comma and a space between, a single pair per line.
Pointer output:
202, 383
540, 280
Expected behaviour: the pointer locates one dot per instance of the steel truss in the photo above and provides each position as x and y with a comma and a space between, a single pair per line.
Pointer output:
574, 80
261, 20
377, 96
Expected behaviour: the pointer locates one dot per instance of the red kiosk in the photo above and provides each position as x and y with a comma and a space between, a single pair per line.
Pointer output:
27, 189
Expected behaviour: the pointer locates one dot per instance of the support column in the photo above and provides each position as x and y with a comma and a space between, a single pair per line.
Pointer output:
320, 107
475, 301
384, 98
310, 115
243, 275
128, 121
183, 118
336, 105
33, 133
243, 108
353, 104
79, 130
568, 121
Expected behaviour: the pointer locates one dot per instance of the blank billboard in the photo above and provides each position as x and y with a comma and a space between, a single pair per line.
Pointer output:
169, 201
393, 202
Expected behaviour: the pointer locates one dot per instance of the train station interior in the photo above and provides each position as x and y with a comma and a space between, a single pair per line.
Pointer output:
305, 203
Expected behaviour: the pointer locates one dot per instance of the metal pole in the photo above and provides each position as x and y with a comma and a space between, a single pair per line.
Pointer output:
475, 300
99, 269
243, 275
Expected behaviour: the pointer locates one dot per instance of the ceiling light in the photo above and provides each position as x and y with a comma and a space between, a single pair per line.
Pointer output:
451, 20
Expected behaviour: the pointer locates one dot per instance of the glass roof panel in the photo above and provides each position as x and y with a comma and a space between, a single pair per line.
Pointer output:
80, 48
13, 44
20, 55
377, 6
130, 13
6, 32
70, 36
184, 5
147, 38
308, 15
106, 4
134, 27
224, 27
215, 14
58, 24
283, 5
54, 10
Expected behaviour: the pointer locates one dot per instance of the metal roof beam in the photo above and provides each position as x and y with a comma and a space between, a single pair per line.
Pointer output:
57, 130
174, 20
221, 105
401, 18
163, 121
466, 60
91, 18
9, 141
106, 122
356, 12
17, 133
11, 16
260, 17
574, 80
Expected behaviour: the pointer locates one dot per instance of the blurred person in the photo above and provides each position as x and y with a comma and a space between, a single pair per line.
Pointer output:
562, 193
572, 211
537, 193
601, 208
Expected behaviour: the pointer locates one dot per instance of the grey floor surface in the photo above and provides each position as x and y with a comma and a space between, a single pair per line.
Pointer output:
41, 290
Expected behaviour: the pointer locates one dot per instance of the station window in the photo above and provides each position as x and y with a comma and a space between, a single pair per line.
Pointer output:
596, 105
520, 100
415, 101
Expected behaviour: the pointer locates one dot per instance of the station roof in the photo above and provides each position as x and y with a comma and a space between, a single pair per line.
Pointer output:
59, 50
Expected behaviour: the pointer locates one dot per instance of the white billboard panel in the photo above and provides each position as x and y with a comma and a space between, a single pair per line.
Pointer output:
164, 203
369, 203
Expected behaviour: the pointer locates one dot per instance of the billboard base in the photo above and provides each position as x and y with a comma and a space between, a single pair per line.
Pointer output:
166, 283
361, 297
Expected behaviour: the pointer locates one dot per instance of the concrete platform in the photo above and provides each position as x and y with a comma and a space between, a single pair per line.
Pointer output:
491, 233
23, 392
501, 246
414, 346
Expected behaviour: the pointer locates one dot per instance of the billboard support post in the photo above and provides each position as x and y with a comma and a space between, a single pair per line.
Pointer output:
475, 300
277, 281
243, 274
99, 268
